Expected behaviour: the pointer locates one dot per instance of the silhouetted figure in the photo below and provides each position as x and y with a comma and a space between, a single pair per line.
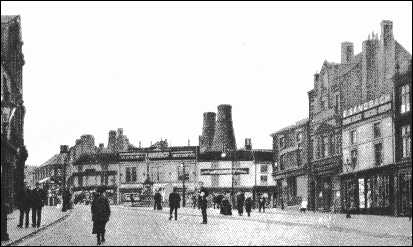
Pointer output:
157, 201
240, 203
38, 196
174, 204
248, 205
100, 215
24, 203
204, 204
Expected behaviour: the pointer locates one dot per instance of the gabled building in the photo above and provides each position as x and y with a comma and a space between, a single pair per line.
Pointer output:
345, 86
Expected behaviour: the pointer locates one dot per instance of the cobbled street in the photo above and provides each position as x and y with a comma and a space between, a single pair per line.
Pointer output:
131, 226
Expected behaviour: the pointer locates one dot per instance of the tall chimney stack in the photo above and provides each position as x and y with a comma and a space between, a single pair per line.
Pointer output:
64, 149
224, 138
208, 131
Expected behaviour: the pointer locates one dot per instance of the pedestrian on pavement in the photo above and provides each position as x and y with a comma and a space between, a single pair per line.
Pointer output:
261, 203
174, 203
219, 200
24, 205
38, 196
194, 200
100, 214
204, 205
248, 205
158, 201
240, 203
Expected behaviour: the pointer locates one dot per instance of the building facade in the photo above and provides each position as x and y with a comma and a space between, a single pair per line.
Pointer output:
50, 175
290, 147
13, 152
403, 140
367, 178
239, 171
357, 79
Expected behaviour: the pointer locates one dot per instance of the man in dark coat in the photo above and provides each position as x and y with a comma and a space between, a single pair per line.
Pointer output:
240, 203
261, 203
204, 204
174, 203
248, 205
158, 199
38, 196
24, 205
100, 214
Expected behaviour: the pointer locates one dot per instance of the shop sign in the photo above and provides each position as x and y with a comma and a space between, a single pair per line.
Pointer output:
224, 171
367, 114
367, 105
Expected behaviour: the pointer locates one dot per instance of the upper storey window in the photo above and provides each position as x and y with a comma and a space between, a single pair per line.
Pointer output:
405, 99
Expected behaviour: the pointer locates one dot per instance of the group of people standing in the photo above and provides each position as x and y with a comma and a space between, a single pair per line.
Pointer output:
30, 199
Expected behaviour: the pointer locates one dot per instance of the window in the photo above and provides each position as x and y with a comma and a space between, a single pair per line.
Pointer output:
282, 142
128, 175
405, 99
325, 146
299, 137
353, 137
282, 162
264, 168
322, 105
354, 157
378, 154
406, 141
377, 130
264, 179
299, 157
337, 105
133, 174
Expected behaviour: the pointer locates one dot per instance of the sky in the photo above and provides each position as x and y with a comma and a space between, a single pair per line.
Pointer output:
153, 68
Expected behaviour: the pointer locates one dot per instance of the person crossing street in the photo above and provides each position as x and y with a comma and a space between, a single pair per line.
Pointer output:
174, 204
204, 205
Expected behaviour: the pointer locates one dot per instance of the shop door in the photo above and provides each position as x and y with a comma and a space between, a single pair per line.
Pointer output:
405, 193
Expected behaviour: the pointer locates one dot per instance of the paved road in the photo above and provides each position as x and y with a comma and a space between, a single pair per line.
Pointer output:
142, 227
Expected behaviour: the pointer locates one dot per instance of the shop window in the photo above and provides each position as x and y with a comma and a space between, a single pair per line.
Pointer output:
406, 141
377, 130
378, 154
405, 99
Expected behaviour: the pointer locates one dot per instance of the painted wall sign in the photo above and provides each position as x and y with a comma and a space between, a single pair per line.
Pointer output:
224, 171
368, 114
367, 105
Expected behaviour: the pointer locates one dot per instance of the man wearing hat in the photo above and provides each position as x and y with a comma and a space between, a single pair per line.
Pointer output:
203, 204
38, 196
100, 214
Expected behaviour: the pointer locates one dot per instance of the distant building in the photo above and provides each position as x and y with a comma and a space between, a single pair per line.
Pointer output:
290, 146
246, 170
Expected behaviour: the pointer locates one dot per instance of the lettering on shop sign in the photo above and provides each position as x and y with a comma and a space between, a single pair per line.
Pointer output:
368, 114
367, 105
188, 154
225, 171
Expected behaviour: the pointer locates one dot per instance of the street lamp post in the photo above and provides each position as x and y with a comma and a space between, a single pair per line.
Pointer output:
183, 184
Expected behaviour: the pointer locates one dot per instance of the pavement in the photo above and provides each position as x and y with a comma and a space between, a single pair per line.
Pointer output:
374, 225
143, 226
50, 215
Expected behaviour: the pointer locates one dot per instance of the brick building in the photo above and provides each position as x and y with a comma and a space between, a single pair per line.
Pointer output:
403, 140
353, 82
12, 62
290, 146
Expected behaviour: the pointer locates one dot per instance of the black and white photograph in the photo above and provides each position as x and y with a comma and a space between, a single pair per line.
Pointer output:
206, 123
